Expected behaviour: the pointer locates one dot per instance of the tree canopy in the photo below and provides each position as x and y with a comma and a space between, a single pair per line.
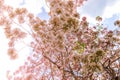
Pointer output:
63, 48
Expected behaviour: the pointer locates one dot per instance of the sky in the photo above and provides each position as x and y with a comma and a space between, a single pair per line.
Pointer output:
107, 9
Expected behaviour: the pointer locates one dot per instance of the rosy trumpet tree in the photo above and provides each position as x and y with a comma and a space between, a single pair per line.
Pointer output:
64, 47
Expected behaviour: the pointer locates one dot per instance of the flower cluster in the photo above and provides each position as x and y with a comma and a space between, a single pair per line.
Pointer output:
65, 47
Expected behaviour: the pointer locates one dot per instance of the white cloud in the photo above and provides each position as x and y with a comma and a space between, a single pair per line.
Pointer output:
14, 3
111, 10
33, 6
93, 8
5, 62
103, 8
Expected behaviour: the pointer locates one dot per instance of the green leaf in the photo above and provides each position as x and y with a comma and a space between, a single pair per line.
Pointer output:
79, 47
